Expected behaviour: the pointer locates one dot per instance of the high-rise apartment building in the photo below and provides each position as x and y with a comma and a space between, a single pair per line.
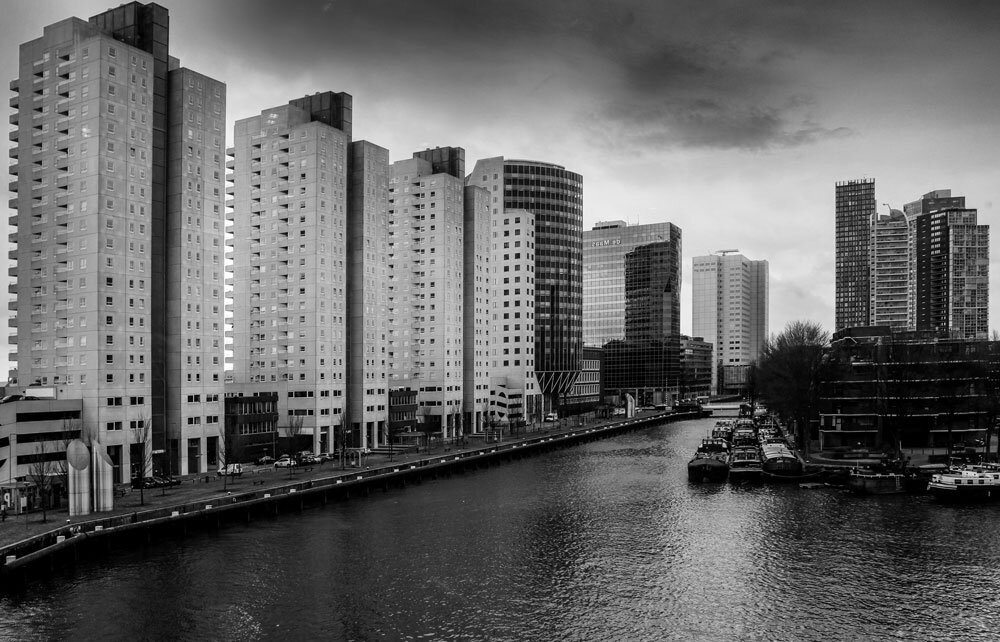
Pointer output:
515, 395
120, 225
367, 294
952, 275
309, 210
604, 250
428, 247
855, 210
889, 267
477, 299
554, 196
932, 201
729, 309
939, 199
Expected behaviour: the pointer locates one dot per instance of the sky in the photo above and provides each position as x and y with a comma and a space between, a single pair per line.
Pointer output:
733, 120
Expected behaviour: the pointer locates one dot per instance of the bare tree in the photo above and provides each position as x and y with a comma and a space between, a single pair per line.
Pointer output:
39, 474
292, 430
390, 434
142, 433
788, 370
226, 454
493, 424
342, 430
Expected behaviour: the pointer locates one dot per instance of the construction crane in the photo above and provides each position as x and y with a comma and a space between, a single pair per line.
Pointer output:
725, 252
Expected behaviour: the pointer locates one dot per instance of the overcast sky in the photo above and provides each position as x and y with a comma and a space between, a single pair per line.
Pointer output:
732, 120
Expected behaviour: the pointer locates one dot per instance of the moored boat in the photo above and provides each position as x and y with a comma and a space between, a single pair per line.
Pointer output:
744, 464
710, 462
869, 482
723, 429
778, 460
971, 485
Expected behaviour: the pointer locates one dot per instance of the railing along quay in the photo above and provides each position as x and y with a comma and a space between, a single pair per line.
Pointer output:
64, 545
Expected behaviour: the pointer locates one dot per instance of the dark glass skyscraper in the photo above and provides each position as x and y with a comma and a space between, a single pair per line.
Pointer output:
647, 363
555, 196
855, 209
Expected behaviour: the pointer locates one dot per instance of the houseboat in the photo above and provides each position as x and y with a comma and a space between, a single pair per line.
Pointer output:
710, 462
744, 464
970, 485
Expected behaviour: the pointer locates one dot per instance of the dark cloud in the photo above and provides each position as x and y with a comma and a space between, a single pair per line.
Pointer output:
655, 76
708, 123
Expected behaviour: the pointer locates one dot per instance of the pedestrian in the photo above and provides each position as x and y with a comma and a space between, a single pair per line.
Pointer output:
3, 512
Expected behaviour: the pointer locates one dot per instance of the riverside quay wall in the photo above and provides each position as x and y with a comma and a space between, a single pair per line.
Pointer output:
44, 554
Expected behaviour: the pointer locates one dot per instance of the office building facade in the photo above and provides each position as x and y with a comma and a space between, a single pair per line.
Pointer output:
604, 250
120, 224
586, 395
555, 196
729, 309
646, 363
696, 368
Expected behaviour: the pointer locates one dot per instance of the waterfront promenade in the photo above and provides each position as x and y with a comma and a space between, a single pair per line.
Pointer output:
26, 539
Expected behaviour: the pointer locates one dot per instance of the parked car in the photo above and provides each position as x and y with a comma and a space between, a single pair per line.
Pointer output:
167, 481
552, 416
326, 457
304, 459
233, 470
284, 462
144, 482
265, 460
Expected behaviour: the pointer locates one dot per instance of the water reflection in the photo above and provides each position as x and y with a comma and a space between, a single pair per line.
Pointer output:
602, 541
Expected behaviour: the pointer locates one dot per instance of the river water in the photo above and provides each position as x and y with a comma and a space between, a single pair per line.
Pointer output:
602, 541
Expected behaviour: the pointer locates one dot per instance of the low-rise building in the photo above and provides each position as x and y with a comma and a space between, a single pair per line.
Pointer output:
696, 367
37, 431
880, 388
251, 428
585, 395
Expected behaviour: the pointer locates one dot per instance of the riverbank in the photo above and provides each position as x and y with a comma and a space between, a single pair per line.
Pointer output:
206, 499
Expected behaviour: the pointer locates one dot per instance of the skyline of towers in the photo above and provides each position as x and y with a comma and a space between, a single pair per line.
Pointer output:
312, 271
119, 235
927, 265
729, 309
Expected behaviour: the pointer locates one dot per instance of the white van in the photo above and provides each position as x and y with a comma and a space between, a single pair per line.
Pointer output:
233, 470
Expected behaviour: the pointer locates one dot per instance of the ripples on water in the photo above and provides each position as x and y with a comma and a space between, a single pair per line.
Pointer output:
604, 541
